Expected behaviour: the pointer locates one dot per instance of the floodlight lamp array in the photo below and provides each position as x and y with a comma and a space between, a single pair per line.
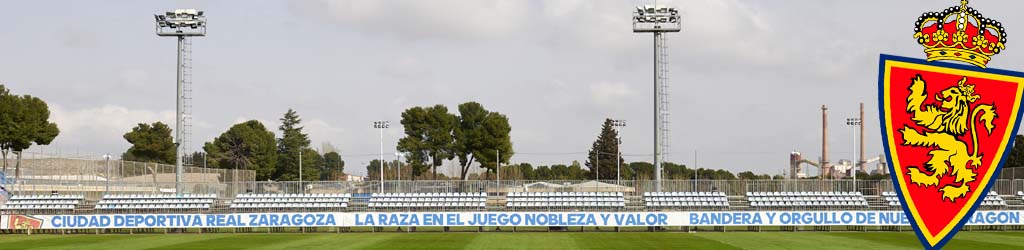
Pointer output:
656, 18
656, 14
181, 22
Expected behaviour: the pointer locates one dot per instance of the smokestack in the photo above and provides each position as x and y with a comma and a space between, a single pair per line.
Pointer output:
794, 164
824, 143
860, 163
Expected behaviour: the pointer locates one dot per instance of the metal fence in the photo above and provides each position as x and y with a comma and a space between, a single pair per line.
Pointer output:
227, 190
43, 173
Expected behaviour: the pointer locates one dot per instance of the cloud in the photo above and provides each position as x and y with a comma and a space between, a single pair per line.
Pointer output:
321, 131
108, 117
425, 19
405, 67
78, 39
96, 128
606, 93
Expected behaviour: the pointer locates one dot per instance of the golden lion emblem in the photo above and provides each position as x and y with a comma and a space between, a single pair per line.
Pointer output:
942, 125
23, 224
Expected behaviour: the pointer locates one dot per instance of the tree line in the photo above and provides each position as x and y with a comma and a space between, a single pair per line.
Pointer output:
471, 137
244, 146
24, 121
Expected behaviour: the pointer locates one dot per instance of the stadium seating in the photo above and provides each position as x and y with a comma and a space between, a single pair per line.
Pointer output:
291, 201
565, 200
806, 199
686, 200
992, 199
43, 202
428, 200
891, 199
156, 202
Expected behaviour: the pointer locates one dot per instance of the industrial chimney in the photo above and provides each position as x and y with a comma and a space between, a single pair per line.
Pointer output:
825, 168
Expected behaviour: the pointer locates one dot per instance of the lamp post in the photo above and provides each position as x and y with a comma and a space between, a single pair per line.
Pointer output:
854, 123
301, 187
180, 23
107, 189
618, 153
398, 174
658, 19
381, 125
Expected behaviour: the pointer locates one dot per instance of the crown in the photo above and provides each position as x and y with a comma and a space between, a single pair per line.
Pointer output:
960, 33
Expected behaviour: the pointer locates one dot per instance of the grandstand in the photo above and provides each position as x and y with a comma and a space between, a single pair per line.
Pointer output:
668, 200
289, 202
42, 204
472, 201
806, 199
444, 201
156, 202
565, 200
90, 197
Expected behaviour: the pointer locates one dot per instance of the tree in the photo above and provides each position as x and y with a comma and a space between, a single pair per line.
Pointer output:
248, 145
195, 159
543, 173
603, 155
291, 143
428, 137
1016, 157
642, 170
576, 171
150, 143
747, 175
312, 164
332, 165
481, 136
672, 171
373, 170
24, 120
560, 172
526, 171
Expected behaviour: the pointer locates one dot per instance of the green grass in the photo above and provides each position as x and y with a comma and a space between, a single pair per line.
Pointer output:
554, 240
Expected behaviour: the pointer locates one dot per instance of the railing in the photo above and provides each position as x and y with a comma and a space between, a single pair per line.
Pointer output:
43, 173
228, 190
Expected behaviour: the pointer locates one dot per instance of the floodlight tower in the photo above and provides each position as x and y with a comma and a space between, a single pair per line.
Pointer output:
618, 153
181, 23
658, 19
381, 125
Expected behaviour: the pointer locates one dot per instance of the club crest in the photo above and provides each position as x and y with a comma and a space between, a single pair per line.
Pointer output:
946, 127
18, 221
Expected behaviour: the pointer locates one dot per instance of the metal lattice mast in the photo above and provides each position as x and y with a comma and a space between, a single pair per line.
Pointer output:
186, 101
663, 94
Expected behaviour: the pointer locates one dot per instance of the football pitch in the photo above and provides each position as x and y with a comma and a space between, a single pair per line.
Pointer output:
559, 240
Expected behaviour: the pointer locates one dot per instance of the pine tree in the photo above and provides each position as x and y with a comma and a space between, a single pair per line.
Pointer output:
604, 153
292, 142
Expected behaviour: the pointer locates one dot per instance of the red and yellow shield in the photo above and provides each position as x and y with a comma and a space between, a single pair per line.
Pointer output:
18, 221
946, 130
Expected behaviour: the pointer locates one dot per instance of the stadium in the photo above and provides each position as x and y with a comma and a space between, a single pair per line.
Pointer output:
462, 178
511, 214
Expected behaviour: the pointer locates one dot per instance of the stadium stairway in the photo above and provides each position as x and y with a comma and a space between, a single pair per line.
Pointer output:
1013, 201
738, 202
877, 202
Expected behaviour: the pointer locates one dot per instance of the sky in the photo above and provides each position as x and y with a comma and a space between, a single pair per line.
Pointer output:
748, 78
